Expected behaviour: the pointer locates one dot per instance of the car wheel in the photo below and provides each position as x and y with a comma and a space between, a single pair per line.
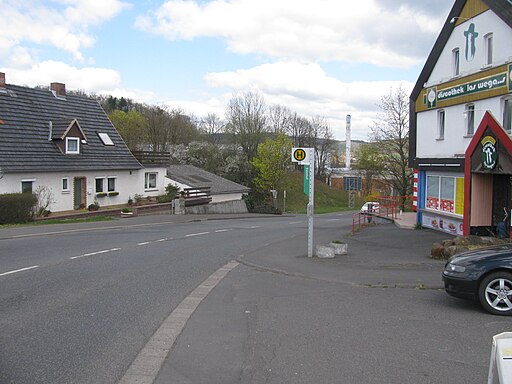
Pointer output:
495, 293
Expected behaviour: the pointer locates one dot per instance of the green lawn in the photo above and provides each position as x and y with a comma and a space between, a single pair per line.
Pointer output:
327, 199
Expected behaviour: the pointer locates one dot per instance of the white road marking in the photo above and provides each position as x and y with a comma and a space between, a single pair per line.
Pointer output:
19, 270
160, 240
333, 219
144, 243
197, 234
94, 253
295, 222
144, 369
222, 230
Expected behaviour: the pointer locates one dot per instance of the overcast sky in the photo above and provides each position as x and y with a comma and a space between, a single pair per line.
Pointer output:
318, 57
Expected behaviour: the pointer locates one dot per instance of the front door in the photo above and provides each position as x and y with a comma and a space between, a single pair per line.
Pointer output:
79, 185
501, 204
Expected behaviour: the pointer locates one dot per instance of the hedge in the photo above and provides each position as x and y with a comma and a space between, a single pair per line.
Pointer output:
17, 207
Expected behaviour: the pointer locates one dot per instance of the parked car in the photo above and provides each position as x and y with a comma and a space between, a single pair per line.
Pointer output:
370, 207
484, 275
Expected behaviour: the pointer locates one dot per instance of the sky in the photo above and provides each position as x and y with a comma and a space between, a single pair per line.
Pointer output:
325, 58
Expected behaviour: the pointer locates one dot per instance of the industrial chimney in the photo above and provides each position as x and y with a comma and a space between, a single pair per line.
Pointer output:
348, 144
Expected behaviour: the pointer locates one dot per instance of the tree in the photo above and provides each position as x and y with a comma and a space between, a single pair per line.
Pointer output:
131, 126
391, 133
322, 141
279, 119
369, 164
272, 162
246, 121
211, 126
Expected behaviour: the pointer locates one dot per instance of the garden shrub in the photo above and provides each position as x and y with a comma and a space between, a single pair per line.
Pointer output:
17, 207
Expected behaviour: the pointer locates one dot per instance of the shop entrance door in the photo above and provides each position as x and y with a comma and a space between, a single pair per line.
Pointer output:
502, 185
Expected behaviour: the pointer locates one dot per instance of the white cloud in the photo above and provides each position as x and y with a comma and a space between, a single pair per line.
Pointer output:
321, 30
309, 91
64, 26
89, 79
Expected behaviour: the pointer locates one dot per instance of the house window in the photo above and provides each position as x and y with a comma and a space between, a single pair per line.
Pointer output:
100, 184
470, 119
65, 184
111, 184
72, 145
456, 62
488, 49
507, 115
27, 186
440, 124
150, 180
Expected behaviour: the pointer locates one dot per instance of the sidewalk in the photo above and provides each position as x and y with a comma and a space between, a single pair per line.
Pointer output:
281, 317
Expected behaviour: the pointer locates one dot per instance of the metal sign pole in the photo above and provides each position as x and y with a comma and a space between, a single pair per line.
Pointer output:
311, 204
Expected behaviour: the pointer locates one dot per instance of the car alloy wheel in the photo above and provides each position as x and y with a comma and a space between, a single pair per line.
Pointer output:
495, 293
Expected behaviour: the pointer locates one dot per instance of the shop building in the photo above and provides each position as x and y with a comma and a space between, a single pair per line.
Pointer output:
461, 123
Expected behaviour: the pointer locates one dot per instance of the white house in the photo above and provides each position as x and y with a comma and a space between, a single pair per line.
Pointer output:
67, 143
461, 122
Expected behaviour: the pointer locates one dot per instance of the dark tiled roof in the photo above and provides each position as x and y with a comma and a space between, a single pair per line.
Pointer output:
197, 177
24, 133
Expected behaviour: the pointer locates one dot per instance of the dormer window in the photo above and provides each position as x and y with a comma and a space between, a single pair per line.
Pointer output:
72, 145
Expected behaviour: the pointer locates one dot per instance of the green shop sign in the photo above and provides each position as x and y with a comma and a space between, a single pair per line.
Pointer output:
485, 84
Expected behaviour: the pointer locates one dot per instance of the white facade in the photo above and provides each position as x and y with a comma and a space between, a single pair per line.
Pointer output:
456, 139
125, 184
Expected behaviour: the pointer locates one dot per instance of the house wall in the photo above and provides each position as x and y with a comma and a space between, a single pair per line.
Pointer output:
226, 197
485, 23
455, 139
128, 183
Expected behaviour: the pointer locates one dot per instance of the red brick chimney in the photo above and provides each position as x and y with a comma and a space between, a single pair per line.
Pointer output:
59, 89
2, 80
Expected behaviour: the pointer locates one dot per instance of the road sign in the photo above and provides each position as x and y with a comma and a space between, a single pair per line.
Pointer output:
301, 155
306, 180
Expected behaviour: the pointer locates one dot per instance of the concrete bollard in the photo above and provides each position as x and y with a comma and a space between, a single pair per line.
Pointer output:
324, 252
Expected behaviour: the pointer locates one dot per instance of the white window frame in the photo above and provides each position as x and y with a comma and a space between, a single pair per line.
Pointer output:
456, 62
469, 114
27, 181
65, 188
441, 124
108, 183
147, 187
507, 115
488, 49
73, 139
96, 179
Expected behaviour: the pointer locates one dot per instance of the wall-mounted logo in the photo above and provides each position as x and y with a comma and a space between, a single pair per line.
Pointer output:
471, 36
489, 153
431, 97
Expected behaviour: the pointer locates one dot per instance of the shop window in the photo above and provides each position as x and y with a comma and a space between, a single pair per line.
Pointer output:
440, 124
441, 193
456, 62
150, 180
488, 48
470, 119
507, 115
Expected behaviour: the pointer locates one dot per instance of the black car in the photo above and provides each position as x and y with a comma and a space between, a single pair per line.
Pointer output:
484, 275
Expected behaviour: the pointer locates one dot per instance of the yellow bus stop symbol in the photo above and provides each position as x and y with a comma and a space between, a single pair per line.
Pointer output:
299, 154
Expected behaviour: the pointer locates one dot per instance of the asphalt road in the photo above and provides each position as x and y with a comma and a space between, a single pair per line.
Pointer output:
377, 315
91, 299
